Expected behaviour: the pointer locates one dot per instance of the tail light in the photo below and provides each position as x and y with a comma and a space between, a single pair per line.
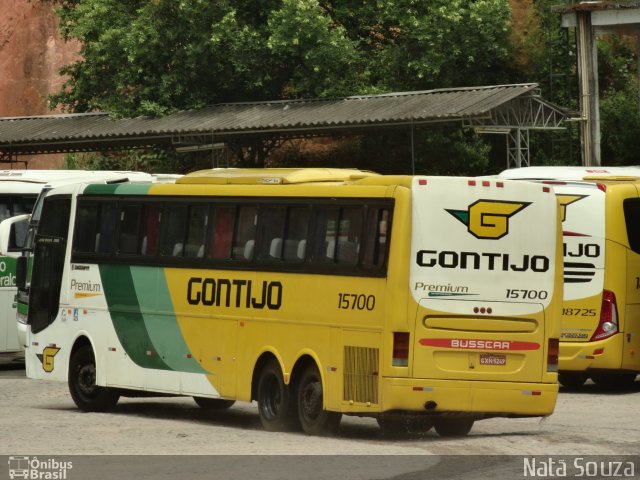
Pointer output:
608, 325
552, 355
400, 349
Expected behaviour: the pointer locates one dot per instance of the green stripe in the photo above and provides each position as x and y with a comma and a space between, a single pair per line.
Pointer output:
162, 326
127, 319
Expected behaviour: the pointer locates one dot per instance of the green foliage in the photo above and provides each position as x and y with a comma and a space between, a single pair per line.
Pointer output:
143, 57
150, 161
153, 57
619, 126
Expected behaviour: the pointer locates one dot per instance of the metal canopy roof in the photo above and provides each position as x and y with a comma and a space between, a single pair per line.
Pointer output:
503, 107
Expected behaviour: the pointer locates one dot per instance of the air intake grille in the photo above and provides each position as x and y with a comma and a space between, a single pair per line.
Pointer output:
361, 374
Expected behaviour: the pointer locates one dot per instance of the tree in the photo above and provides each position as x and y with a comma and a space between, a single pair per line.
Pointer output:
141, 57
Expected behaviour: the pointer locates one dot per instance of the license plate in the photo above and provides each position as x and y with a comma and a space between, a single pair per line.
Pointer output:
490, 359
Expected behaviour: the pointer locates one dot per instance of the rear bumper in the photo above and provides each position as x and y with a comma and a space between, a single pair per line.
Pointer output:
476, 397
581, 356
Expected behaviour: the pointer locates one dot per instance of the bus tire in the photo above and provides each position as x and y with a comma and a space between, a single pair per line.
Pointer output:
572, 380
82, 383
213, 403
453, 427
276, 405
314, 420
396, 426
614, 381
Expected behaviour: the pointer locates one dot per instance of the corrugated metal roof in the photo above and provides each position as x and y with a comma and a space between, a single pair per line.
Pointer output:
98, 131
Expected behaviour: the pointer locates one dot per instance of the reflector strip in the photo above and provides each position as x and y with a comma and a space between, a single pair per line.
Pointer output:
150, 353
111, 349
422, 182
535, 393
52, 345
332, 369
598, 351
188, 355
423, 389
34, 344
471, 183
485, 183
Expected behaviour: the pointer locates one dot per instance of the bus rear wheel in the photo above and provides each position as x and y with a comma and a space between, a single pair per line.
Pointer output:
213, 403
276, 406
82, 383
313, 418
453, 427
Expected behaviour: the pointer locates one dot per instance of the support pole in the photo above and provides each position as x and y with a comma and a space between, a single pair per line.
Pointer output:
588, 79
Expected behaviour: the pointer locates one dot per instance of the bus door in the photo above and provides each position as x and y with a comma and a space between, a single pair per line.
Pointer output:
48, 264
483, 270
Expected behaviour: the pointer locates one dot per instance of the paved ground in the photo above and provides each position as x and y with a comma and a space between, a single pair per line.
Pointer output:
39, 418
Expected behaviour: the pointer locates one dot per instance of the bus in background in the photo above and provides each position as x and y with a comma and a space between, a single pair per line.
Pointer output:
25, 226
420, 301
601, 313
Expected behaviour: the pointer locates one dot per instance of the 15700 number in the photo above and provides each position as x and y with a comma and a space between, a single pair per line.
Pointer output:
355, 301
527, 294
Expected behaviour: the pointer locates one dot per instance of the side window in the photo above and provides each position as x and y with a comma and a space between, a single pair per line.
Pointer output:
295, 243
349, 235
245, 235
631, 208
149, 230
376, 241
5, 208
105, 238
129, 225
271, 233
23, 205
221, 233
325, 221
174, 222
196, 231
86, 228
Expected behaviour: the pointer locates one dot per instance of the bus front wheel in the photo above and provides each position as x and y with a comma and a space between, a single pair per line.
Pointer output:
453, 427
275, 403
82, 383
313, 418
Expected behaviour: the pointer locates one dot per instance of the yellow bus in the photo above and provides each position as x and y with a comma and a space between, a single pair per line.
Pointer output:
600, 336
420, 301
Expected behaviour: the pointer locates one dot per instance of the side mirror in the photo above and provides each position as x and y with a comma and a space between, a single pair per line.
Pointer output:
21, 272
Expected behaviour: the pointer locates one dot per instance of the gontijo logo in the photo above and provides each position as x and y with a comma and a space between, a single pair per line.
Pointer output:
488, 219
565, 201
